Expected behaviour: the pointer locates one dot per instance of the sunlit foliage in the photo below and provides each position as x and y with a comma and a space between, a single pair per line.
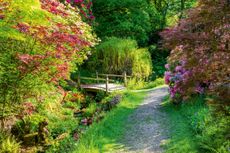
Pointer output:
40, 41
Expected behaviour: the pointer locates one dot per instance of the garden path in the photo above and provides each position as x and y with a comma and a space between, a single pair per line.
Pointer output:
145, 131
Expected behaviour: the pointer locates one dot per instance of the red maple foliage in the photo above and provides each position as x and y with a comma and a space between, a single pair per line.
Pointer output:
202, 43
62, 42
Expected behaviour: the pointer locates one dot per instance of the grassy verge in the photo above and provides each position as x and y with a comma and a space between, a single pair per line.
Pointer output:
103, 136
193, 128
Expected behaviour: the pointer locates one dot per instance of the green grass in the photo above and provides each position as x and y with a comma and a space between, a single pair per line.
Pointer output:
180, 119
193, 128
104, 136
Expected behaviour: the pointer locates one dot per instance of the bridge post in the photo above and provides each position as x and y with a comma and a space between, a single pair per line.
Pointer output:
125, 78
97, 77
79, 81
107, 84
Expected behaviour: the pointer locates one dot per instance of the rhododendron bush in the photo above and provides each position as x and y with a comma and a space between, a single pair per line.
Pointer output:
200, 56
40, 43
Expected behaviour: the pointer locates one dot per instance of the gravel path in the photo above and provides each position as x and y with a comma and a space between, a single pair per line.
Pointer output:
145, 132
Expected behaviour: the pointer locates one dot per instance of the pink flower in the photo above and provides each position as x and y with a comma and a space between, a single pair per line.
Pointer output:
167, 66
25, 58
78, 1
167, 77
179, 68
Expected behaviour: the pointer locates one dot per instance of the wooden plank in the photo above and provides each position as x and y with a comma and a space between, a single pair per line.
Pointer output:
96, 79
102, 87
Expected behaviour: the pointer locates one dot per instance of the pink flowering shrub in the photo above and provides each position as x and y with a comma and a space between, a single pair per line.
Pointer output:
200, 52
176, 77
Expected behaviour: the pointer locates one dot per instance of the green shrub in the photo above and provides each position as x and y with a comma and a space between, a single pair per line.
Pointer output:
8, 144
62, 123
90, 110
28, 124
141, 63
71, 105
215, 137
135, 83
61, 127
100, 95
67, 145
159, 59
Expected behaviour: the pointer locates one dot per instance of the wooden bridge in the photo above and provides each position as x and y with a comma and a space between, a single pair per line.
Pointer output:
103, 82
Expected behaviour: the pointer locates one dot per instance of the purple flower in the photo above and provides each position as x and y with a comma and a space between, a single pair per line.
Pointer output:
178, 76
172, 92
199, 89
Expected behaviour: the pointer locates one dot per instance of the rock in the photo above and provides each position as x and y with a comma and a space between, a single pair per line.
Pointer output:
113, 102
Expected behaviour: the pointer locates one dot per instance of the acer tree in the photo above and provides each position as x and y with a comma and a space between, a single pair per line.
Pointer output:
40, 43
200, 56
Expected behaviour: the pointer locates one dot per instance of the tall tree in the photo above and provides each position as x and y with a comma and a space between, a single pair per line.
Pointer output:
125, 19
169, 8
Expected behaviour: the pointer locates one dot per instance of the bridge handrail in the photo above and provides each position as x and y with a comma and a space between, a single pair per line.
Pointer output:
114, 75
101, 79
89, 78
95, 79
